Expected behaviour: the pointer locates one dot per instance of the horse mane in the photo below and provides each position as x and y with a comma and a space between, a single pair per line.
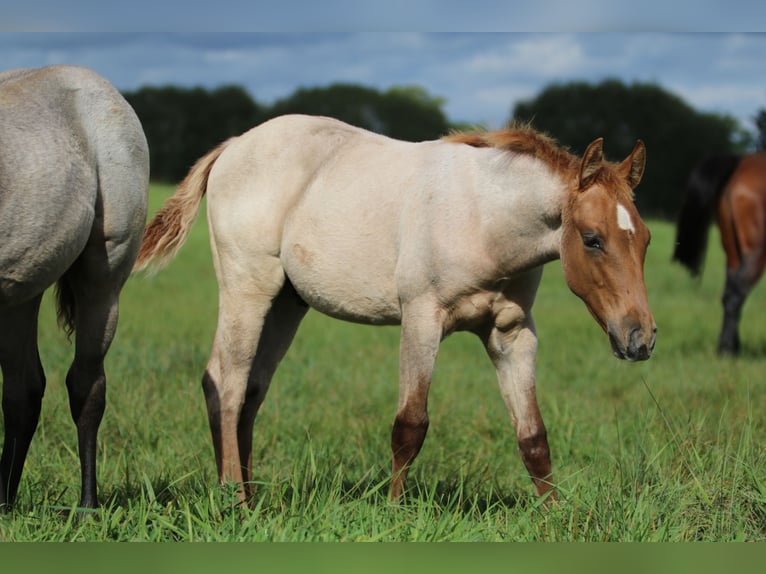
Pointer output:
521, 139
524, 139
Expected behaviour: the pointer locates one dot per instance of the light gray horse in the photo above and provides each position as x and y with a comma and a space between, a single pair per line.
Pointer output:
74, 173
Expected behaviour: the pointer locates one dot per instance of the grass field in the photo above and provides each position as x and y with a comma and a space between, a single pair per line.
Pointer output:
666, 450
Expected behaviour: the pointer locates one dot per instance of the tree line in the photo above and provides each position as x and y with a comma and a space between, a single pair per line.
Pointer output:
182, 124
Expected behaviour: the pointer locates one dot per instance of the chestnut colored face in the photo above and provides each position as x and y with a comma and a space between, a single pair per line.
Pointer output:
603, 248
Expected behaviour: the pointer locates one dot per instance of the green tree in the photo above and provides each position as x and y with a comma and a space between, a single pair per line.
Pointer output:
183, 124
676, 135
407, 113
760, 124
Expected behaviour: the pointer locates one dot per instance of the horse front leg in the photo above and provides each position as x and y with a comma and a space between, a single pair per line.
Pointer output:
418, 347
513, 351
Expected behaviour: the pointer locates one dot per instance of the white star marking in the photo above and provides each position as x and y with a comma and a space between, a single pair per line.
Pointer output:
623, 219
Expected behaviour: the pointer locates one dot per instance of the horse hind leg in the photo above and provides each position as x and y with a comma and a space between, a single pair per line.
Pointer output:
233, 388
93, 285
733, 299
23, 388
739, 282
279, 329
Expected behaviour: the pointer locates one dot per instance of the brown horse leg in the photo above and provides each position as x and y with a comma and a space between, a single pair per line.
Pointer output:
279, 329
742, 223
513, 354
23, 388
419, 345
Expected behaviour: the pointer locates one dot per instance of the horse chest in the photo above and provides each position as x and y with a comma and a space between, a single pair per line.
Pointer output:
478, 310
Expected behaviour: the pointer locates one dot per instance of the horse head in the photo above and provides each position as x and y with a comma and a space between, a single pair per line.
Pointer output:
603, 247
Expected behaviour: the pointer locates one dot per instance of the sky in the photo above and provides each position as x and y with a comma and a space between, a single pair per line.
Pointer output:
495, 54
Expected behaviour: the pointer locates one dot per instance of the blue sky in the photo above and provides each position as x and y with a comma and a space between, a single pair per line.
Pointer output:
715, 61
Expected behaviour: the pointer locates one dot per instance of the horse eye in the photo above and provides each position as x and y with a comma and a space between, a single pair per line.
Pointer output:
592, 241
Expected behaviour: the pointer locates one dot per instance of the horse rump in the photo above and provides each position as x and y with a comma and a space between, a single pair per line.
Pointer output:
703, 189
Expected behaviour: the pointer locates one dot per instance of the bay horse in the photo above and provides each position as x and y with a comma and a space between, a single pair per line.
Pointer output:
734, 188
437, 236
74, 176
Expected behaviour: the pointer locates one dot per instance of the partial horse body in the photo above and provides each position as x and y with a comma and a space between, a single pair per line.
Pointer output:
437, 236
74, 173
734, 188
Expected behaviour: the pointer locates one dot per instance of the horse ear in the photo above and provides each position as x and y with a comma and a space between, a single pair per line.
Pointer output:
632, 168
591, 160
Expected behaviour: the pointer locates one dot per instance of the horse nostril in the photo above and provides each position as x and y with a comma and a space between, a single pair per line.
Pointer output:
637, 349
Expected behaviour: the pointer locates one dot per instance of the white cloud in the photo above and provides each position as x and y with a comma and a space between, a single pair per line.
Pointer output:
739, 100
504, 95
543, 55
721, 96
742, 53
480, 75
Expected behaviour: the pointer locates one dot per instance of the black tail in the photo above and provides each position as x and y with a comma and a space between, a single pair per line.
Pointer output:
703, 189
65, 303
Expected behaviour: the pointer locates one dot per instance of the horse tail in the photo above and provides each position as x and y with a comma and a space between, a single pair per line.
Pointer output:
166, 233
703, 189
65, 304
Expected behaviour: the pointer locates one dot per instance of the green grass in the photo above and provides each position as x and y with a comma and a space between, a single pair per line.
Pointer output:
666, 450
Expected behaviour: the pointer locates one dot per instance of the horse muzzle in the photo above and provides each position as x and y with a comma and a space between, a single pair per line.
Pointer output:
634, 343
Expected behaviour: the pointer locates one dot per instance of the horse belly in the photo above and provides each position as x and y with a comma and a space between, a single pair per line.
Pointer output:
350, 280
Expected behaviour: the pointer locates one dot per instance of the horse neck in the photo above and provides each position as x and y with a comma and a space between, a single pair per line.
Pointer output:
524, 203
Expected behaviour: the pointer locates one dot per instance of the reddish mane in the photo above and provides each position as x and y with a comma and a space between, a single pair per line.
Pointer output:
523, 140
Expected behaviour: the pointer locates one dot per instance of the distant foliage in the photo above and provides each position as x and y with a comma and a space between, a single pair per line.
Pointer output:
677, 137
760, 123
183, 124
407, 113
